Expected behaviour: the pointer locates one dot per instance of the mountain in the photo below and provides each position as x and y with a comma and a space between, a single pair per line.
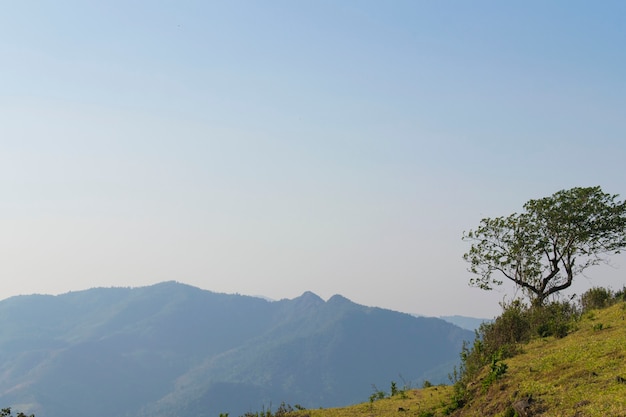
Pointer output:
468, 323
174, 350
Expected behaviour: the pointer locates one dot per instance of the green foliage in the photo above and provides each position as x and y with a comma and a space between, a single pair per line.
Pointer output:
427, 384
458, 400
377, 394
394, 389
596, 298
497, 369
6, 412
283, 410
553, 319
506, 331
620, 295
502, 339
542, 249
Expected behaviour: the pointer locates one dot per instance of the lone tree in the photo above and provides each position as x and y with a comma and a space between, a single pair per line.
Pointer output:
542, 249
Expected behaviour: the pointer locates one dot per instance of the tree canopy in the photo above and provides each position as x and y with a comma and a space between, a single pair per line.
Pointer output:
553, 240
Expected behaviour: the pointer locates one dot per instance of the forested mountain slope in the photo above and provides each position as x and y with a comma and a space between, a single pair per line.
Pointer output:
175, 350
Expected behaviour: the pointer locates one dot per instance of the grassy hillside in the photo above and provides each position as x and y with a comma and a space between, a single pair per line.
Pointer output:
582, 374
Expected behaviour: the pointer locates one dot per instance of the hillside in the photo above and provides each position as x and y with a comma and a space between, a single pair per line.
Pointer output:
582, 374
175, 350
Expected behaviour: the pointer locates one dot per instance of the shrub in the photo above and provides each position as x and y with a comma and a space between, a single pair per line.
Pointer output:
620, 295
595, 298
506, 331
497, 369
377, 394
553, 319
283, 410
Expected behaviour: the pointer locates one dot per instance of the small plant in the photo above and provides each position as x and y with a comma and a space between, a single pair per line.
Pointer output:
394, 389
377, 394
457, 401
598, 326
498, 368
283, 410
426, 384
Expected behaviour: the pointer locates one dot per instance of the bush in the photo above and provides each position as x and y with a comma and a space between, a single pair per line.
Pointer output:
620, 295
497, 369
596, 298
553, 319
506, 331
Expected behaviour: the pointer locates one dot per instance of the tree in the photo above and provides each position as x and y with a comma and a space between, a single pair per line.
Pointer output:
543, 248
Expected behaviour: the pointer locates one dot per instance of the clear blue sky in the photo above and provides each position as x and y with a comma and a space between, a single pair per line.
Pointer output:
275, 147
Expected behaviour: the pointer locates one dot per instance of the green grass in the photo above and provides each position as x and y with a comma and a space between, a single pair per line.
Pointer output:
578, 375
414, 403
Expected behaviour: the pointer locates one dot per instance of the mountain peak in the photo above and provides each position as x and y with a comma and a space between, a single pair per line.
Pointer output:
309, 298
337, 298
99, 342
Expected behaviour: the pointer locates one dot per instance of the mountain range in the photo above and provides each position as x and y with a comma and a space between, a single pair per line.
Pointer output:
174, 350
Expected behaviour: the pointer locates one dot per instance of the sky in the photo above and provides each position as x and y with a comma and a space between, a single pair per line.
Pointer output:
276, 147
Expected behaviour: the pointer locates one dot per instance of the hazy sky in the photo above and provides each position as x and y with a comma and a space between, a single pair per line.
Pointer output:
274, 147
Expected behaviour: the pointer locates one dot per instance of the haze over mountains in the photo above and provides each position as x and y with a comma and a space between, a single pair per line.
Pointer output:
175, 350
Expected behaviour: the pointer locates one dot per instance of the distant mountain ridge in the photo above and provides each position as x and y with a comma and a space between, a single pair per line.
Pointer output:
464, 322
175, 350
